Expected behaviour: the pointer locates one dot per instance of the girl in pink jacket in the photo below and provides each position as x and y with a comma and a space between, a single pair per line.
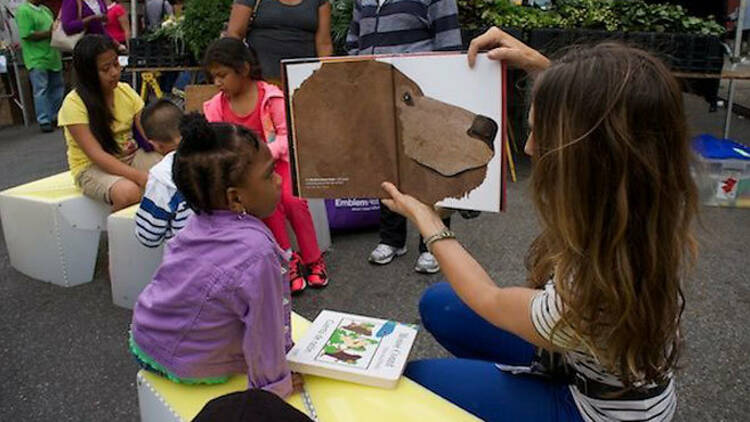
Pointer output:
245, 99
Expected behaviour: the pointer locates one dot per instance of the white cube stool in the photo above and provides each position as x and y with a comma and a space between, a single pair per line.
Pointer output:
161, 400
131, 265
52, 231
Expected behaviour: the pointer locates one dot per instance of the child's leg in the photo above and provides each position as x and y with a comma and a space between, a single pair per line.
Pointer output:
143, 160
124, 193
467, 335
299, 216
40, 87
277, 224
392, 228
116, 191
492, 395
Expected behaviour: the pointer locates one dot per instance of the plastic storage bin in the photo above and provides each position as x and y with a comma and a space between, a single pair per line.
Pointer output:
722, 172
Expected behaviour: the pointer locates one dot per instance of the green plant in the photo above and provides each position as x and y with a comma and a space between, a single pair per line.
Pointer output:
608, 15
172, 29
204, 21
341, 18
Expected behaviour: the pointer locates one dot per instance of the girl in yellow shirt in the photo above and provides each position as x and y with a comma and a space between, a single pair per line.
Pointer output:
98, 118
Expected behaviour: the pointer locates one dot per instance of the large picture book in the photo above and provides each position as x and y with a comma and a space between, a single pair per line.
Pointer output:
354, 348
427, 123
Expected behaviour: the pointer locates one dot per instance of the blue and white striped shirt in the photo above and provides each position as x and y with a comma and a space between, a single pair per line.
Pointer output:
403, 26
163, 211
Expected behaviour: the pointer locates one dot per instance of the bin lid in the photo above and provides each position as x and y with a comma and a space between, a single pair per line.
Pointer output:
720, 149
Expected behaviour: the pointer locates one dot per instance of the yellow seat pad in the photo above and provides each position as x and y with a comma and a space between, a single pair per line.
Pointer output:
50, 189
333, 400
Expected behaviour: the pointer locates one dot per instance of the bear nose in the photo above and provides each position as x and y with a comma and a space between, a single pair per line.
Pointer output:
484, 129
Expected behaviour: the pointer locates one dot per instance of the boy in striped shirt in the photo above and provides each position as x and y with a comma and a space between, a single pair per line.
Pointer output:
163, 211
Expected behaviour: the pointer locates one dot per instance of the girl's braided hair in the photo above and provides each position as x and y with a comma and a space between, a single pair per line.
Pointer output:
211, 158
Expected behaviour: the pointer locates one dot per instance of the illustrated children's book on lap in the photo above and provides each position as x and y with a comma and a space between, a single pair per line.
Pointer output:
354, 348
427, 123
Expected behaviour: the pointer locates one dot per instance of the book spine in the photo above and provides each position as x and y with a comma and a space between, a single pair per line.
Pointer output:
396, 129
290, 134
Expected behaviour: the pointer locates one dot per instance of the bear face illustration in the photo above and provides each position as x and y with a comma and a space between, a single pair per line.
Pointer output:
433, 150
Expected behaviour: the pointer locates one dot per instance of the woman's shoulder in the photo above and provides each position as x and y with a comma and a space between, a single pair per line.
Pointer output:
124, 88
72, 97
125, 92
72, 110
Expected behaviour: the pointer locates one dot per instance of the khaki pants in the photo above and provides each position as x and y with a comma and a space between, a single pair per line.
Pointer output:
96, 183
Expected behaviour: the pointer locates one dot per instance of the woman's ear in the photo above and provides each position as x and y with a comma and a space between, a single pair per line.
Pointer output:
234, 201
246, 71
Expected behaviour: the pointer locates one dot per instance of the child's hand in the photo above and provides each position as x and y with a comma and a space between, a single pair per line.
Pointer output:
298, 383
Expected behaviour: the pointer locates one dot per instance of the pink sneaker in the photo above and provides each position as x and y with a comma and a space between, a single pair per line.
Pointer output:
318, 274
297, 281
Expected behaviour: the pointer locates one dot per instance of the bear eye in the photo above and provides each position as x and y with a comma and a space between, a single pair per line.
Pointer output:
407, 99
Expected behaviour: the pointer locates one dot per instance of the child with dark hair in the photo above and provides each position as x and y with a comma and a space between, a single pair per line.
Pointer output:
245, 99
218, 304
99, 117
163, 211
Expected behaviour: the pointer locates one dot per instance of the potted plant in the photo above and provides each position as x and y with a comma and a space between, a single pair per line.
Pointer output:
164, 47
341, 18
687, 43
204, 22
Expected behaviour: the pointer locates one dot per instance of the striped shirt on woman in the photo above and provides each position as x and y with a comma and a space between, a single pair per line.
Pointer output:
545, 313
403, 26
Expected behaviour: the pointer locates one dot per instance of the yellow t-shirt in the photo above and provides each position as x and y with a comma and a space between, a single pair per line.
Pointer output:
73, 112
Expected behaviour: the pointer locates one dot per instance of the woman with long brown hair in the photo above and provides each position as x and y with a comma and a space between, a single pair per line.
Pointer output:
596, 332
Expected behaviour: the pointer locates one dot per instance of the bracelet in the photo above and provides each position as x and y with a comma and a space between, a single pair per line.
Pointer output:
446, 233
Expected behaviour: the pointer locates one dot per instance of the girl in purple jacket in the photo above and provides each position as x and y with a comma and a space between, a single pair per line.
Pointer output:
219, 304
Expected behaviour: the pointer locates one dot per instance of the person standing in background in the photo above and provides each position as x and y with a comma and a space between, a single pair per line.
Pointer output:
118, 24
394, 27
156, 12
282, 29
34, 22
87, 16
54, 6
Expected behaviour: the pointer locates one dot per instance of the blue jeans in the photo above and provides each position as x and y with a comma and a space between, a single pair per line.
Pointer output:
472, 381
48, 89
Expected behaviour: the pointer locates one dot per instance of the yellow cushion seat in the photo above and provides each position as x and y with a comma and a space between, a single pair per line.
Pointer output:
161, 399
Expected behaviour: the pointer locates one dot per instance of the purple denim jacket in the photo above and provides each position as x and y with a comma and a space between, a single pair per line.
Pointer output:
71, 22
219, 304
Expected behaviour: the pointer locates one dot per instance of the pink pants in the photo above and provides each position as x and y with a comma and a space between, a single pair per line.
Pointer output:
296, 211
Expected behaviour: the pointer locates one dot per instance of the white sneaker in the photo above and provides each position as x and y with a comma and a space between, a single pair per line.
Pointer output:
384, 254
427, 264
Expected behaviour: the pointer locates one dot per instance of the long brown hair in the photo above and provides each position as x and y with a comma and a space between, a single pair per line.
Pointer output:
612, 184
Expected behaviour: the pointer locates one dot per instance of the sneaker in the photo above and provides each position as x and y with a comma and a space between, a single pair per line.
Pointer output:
427, 264
384, 254
47, 127
297, 281
317, 275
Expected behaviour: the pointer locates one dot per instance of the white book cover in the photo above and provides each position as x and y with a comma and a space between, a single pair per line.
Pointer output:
354, 348
337, 151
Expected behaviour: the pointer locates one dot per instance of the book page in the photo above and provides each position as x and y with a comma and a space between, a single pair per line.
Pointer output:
342, 127
450, 130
